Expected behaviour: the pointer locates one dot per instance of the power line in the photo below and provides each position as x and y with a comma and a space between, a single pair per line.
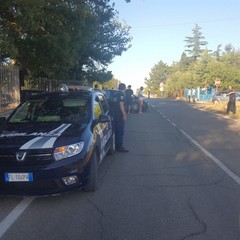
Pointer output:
186, 23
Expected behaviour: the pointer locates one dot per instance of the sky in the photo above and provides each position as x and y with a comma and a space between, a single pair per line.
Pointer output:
159, 28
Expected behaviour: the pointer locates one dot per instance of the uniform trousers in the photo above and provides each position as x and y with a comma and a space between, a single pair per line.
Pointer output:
119, 132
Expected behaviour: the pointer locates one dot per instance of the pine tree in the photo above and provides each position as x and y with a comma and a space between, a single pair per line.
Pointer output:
195, 44
184, 62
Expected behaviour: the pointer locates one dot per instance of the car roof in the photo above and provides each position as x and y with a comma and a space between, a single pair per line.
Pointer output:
221, 91
52, 95
79, 93
110, 92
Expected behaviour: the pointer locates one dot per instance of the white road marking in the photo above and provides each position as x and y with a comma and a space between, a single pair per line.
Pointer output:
214, 159
8, 221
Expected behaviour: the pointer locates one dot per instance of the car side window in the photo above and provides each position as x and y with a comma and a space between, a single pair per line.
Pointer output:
97, 109
75, 110
104, 103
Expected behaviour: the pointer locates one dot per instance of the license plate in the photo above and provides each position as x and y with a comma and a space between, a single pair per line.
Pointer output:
18, 177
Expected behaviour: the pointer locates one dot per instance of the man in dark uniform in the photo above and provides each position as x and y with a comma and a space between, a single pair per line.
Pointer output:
128, 98
231, 106
119, 117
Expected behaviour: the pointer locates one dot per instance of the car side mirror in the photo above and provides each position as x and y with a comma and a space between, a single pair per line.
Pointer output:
103, 119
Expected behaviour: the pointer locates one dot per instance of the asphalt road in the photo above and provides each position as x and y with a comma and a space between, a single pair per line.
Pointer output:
179, 181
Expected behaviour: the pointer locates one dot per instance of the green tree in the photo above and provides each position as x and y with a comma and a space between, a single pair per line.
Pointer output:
62, 38
109, 39
184, 62
177, 82
158, 74
228, 48
203, 73
39, 35
111, 84
217, 53
232, 58
200, 70
195, 43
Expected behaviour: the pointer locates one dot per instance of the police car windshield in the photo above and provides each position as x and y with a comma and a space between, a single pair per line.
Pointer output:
73, 110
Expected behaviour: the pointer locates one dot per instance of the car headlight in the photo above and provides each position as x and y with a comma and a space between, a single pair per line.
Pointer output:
68, 151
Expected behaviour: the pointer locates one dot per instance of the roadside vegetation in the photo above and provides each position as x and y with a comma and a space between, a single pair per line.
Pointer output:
197, 67
220, 108
61, 39
77, 40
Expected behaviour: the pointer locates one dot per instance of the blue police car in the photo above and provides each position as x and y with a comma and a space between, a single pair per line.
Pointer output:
54, 142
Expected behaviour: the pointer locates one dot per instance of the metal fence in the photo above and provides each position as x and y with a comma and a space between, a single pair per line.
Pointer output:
9, 87
202, 94
49, 85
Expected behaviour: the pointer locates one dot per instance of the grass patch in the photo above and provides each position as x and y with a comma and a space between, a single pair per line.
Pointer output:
221, 108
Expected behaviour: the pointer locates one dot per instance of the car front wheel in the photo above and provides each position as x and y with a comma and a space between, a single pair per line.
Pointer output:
91, 185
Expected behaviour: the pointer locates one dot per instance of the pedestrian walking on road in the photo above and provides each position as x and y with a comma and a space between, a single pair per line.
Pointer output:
120, 117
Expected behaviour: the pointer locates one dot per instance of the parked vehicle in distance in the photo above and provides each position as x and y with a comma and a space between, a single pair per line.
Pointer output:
223, 96
54, 142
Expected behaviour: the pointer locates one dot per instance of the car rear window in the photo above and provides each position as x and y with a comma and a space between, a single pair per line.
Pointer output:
74, 102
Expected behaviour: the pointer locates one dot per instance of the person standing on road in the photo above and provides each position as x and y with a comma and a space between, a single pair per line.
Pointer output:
129, 100
231, 106
193, 95
120, 117
140, 99
189, 95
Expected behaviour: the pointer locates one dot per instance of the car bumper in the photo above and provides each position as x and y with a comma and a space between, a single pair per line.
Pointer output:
46, 180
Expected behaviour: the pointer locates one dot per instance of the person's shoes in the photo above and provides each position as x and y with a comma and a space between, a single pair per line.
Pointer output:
122, 149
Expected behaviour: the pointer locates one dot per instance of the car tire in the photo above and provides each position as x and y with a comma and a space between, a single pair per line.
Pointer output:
145, 106
135, 107
216, 101
112, 148
91, 185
